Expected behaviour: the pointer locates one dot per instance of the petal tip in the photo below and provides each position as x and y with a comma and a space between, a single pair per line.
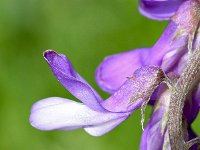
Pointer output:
49, 53
34, 123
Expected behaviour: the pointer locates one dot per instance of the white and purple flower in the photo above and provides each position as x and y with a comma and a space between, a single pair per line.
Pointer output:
94, 114
98, 116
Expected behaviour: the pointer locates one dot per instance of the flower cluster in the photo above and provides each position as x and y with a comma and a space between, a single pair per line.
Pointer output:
132, 78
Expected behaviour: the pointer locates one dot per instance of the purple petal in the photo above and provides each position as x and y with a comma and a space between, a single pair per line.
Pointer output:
168, 49
112, 72
173, 44
137, 89
71, 80
120, 100
159, 9
63, 114
115, 69
153, 136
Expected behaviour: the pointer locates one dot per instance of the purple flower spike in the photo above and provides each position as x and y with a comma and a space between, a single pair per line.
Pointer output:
96, 116
159, 9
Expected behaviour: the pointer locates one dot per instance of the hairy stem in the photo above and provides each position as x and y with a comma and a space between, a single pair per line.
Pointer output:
186, 83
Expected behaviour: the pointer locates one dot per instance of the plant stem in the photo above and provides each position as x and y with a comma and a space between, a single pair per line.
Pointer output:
186, 83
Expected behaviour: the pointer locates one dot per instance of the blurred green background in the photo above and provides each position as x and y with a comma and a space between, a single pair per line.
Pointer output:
86, 31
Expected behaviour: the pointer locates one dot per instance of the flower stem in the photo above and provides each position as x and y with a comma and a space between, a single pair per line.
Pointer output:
185, 84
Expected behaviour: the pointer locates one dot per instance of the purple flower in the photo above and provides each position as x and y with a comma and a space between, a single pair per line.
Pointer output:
171, 53
94, 114
112, 72
130, 87
159, 9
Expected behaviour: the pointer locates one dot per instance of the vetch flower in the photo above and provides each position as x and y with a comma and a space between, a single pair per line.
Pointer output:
94, 114
171, 53
176, 104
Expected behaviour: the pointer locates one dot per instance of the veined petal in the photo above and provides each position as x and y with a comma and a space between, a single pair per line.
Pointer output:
131, 95
115, 69
112, 72
71, 80
169, 48
63, 114
159, 9
136, 90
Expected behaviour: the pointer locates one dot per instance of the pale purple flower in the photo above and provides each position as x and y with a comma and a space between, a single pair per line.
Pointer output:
94, 114
130, 87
